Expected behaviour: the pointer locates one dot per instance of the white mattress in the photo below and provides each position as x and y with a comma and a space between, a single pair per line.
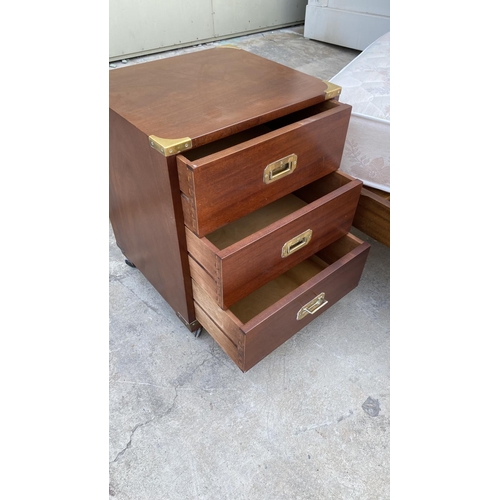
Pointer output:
365, 83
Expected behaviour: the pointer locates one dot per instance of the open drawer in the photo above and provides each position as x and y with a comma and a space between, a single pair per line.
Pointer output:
229, 178
235, 260
256, 325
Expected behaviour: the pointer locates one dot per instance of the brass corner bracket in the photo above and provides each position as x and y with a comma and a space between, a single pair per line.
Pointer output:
194, 325
332, 90
169, 147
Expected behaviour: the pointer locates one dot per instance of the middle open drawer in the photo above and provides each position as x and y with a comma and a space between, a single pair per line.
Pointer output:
237, 259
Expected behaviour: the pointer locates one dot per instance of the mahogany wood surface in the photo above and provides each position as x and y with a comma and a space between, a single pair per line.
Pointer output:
188, 210
146, 213
234, 351
247, 225
209, 94
373, 216
267, 331
203, 251
278, 322
382, 194
207, 282
227, 185
225, 320
266, 296
324, 186
329, 218
242, 112
339, 249
255, 260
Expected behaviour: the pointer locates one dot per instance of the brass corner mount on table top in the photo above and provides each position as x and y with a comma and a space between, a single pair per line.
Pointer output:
169, 147
332, 90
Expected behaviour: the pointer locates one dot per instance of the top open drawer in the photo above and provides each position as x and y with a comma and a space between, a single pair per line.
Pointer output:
227, 179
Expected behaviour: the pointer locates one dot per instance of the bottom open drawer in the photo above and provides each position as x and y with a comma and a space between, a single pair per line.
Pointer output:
257, 324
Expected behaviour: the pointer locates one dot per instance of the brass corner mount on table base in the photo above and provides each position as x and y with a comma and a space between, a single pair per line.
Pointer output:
169, 147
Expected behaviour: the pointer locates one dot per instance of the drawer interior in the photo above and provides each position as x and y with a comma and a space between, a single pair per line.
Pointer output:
264, 297
235, 139
245, 226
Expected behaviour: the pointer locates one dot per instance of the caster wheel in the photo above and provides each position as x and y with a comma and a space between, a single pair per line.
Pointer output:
131, 264
197, 333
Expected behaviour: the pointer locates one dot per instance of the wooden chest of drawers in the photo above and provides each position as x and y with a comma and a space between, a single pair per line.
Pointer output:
225, 193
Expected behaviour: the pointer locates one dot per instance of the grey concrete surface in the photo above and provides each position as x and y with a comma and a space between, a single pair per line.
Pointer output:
185, 423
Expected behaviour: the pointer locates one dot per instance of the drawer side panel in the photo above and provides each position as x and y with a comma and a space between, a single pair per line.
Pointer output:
201, 252
227, 345
223, 319
202, 278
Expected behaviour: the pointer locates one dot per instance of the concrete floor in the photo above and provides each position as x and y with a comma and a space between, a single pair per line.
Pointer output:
185, 423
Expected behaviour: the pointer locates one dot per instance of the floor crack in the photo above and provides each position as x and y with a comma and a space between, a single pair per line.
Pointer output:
176, 386
129, 444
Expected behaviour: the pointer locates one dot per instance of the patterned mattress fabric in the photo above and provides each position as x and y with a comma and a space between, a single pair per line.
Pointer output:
365, 83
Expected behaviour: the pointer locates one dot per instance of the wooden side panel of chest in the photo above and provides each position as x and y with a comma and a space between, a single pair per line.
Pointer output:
146, 214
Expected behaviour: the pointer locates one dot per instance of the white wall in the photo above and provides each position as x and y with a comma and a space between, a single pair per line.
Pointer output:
147, 26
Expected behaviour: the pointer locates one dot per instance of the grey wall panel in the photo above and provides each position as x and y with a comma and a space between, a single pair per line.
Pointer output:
147, 26
239, 16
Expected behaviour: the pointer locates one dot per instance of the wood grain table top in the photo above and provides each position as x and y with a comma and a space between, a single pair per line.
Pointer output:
209, 94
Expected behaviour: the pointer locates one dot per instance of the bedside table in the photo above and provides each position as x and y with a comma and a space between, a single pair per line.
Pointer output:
225, 193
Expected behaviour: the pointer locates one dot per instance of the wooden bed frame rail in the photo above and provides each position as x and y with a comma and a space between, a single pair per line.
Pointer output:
373, 214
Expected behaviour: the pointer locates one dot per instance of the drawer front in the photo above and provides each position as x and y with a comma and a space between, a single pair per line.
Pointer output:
263, 320
267, 332
230, 183
235, 271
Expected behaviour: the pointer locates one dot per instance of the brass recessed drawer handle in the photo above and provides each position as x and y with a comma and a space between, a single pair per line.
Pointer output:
280, 168
313, 306
296, 243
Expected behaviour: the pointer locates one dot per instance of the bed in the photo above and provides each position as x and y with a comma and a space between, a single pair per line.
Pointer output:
365, 83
